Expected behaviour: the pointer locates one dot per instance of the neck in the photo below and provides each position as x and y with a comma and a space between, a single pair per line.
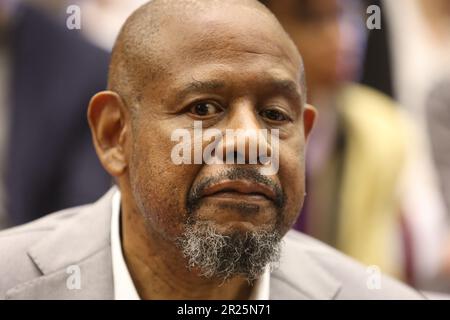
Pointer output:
159, 270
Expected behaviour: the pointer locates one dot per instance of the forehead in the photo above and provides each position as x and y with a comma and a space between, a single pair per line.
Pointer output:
237, 28
240, 38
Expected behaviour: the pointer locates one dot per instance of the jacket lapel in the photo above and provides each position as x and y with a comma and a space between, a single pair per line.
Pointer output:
75, 259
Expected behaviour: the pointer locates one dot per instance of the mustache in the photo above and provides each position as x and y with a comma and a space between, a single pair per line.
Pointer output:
237, 173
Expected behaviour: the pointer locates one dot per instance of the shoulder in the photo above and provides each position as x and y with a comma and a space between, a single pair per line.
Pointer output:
356, 280
15, 265
49, 245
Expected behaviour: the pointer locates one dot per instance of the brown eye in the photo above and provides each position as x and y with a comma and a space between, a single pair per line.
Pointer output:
205, 109
274, 115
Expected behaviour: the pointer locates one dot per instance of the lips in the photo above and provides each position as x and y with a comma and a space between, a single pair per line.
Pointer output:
239, 188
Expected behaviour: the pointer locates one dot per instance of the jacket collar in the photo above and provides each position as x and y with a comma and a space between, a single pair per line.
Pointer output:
80, 246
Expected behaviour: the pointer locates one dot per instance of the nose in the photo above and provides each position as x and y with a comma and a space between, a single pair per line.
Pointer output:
245, 141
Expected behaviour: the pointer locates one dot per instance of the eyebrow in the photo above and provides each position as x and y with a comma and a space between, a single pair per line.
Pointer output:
288, 87
198, 86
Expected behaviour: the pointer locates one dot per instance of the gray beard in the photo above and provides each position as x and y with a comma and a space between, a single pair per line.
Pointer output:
216, 255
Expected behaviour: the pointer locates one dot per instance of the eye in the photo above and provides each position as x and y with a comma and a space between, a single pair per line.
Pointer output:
274, 115
205, 109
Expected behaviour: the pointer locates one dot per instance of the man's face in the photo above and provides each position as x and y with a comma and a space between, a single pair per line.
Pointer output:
229, 72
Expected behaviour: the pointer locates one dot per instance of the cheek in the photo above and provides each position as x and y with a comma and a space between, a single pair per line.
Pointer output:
292, 177
159, 186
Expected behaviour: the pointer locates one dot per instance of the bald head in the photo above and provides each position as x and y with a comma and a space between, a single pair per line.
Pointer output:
154, 38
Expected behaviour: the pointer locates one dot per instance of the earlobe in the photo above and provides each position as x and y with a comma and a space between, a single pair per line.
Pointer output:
309, 118
106, 116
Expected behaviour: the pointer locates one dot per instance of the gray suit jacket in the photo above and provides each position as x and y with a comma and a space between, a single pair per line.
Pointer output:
35, 261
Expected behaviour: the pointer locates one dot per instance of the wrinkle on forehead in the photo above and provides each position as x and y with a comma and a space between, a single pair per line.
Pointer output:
239, 29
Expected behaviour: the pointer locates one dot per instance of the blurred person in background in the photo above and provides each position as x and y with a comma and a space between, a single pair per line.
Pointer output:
407, 59
438, 120
419, 37
47, 75
359, 147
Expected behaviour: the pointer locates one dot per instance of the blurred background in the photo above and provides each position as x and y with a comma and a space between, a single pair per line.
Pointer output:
378, 162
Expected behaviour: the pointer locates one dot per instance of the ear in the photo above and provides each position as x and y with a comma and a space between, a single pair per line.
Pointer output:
106, 116
309, 118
